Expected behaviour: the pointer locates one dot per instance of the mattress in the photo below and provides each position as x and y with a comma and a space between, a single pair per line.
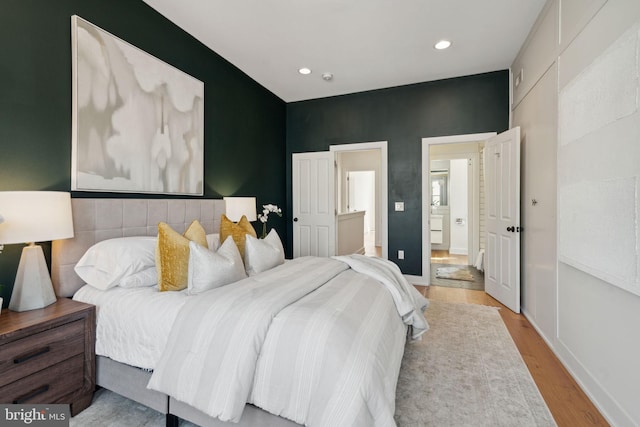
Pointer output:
132, 324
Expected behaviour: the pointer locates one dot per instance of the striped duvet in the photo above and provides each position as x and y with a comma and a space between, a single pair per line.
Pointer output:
312, 341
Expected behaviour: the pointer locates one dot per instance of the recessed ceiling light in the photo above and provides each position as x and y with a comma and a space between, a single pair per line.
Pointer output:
442, 44
304, 71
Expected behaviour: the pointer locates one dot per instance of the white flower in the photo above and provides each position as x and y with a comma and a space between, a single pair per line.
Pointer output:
264, 216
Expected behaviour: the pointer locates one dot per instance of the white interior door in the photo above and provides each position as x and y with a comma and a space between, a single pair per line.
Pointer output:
314, 226
502, 173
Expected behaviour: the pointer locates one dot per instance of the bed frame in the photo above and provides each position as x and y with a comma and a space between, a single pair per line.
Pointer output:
95, 220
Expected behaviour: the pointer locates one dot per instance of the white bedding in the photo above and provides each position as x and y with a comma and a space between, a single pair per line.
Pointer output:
409, 302
333, 358
312, 341
132, 324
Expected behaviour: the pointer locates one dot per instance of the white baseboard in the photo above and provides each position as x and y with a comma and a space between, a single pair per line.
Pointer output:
602, 400
606, 404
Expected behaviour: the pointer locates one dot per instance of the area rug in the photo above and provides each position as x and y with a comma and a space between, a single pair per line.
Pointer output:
454, 273
466, 371
465, 276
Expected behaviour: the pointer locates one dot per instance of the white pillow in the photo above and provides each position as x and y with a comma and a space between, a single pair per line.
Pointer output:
263, 254
209, 269
145, 278
107, 262
213, 241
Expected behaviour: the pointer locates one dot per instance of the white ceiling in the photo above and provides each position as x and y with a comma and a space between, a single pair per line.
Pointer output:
366, 44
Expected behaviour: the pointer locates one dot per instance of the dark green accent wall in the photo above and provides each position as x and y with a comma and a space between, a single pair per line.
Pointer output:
244, 122
402, 116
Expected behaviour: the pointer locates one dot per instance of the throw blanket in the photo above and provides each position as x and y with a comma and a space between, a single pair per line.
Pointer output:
409, 302
264, 340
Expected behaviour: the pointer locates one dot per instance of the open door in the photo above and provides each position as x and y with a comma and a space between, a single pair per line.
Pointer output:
502, 174
314, 229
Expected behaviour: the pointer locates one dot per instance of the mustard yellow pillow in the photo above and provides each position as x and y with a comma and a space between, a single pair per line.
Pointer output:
237, 231
172, 254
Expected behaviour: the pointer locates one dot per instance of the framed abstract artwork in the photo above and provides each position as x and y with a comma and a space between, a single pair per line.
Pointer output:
138, 122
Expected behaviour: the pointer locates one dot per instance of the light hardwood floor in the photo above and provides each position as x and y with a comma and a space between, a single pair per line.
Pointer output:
444, 257
568, 403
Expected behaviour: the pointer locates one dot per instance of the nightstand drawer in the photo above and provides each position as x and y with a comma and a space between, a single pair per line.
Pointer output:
46, 386
31, 354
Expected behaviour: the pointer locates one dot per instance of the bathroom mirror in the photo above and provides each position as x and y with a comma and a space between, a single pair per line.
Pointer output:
439, 188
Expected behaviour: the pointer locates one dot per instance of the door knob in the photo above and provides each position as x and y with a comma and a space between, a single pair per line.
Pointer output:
511, 229
295, 219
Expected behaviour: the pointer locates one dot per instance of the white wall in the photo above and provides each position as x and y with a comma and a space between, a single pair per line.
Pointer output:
578, 110
458, 201
362, 196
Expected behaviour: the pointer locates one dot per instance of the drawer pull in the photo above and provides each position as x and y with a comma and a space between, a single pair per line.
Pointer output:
25, 357
27, 397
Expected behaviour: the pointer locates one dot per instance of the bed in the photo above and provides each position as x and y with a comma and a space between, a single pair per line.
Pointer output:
293, 326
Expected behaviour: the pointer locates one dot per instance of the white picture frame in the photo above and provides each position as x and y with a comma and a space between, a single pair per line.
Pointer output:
138, 122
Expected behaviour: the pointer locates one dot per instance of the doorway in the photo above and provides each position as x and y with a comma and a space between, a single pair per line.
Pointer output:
452, 226
361, 197
361, 185
454, 230
452, 205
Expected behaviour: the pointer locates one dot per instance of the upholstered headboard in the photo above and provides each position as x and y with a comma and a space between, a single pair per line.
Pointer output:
100, 219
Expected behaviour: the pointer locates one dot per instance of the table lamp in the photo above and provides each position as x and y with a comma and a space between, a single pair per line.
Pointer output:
237, 206
33, 216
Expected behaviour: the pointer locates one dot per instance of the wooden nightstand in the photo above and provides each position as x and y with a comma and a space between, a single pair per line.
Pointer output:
48, 355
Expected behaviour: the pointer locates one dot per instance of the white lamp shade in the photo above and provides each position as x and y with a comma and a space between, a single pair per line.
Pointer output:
237, 206
35, 216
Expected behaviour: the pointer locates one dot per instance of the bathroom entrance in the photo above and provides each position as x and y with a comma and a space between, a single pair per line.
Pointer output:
450, 211
454, 215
